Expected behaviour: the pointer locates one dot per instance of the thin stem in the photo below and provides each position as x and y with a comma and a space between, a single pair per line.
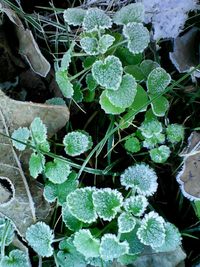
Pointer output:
79, 74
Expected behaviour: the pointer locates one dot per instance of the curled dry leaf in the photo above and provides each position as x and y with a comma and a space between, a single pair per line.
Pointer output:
21, 198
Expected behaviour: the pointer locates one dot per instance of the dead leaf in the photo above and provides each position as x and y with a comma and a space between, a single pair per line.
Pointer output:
21, 198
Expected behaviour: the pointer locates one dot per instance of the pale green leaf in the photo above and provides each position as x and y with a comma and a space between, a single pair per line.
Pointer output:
175, 133
160, 106
38, 131
22, 134
64, 84
132, 144
154, 140
6, 227
16, 258
57, 101
150, 127
136, 205
89, 45
160, 154
70, 221
126, 222
108, 107
36, 164
74, 16
147, 66
66, 59
105, 42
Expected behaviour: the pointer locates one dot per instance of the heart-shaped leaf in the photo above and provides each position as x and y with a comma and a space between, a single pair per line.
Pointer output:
108, 107
160, 106
74, 16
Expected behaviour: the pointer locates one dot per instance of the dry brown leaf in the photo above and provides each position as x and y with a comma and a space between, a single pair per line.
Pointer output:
21, 200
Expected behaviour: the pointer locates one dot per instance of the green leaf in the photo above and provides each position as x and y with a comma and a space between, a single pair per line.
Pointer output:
80, 203
111, 248
136, 205
78, 94
38, 131
130, 13
107, 203
60, 191
91, 82
160, 154
108, 107
175, 133
95, 19
40, 238
160, 106
57, 171
105, 42
154, 140
150, 127
147, 66
6, 227
16, 258
21, 134
108, 72
141, 178
152, 231
74, 16
66, 59
77, 142
57, 101
88, 61
36, 164
132, 144
89, 45
86, 244
70, 221
126, 57
64, 84
125, 94
158, 80
137, 36
127, 259
135, 71
126, 222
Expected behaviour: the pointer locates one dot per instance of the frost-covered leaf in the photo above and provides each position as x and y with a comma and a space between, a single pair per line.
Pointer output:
96, 19
160, 106
137, 36
136, 205
105, 42
38, 131
78, 94
89, 45
21, 134
98, 262
127, 259
60, 191
141, 178
44, 147
126, 222
91, 82
86, 244
130, 13
74, 16
125, 94
80, 203
36, 164
64, 84
77, 142
175, 133
107, 203
57, 101
147, 66
158, 80
172, 239
108, 107
16, 258
6, 227
150, 128
132, 144
152, 230
70, 221
160, 154
111, 248
40, 238
66, 59
154, 140
108, 72
57, 171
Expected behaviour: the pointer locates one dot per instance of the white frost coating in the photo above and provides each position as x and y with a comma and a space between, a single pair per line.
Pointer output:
74, 16
22, 134
136, 205
126, 222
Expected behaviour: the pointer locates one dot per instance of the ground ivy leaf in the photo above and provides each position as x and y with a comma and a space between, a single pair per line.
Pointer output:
108, 107
70, 221
154, 140
125, 94
126, 222
107, 203
40, 238
86, 244
111, 248
150, 127
135, 71
66, 59
91, 82
175, 133
132, 144
38, 131
80, 203
36, 164
16, 258
89, 45
96, 19
22, 134
137, 36
158, 80
64, 84
108, 72
74, 16
160, 154
160, 106
105, 42
136, 205
147, 66
130, 13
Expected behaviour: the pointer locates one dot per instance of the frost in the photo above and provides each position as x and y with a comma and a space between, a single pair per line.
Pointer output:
147, 66
89, 45
38, 131
125, 94
66, 59
130, 13
105, 42
107, 203
172, 239
136, 205
111, 248
21, 134
108, 107
16, 258
70, 221
80, 203
57, 101
132, 144
64, 84
154, 140
40, 238
6, 226
36, 164
175, 133
141, 178
74, 16
96, 19
126, 222
77, 143
150, 128
152, 230
160, 106
86, 244
158, 80
160, 154
108, 72
57, 171
137, 36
